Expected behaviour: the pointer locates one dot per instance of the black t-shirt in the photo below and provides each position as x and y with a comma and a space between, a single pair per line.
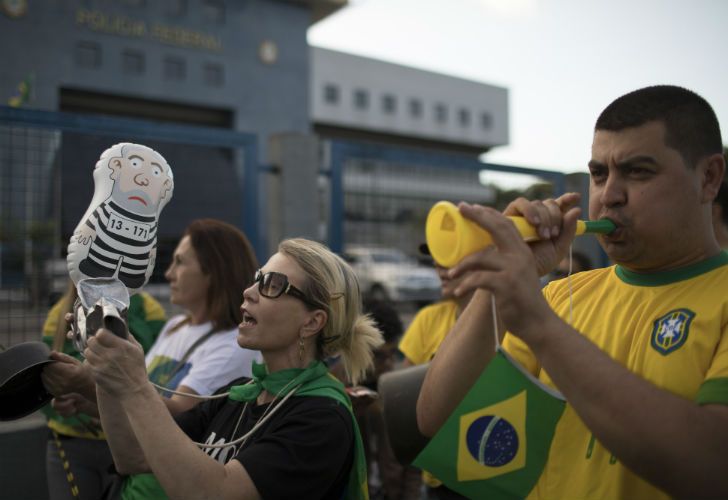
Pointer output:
305, 450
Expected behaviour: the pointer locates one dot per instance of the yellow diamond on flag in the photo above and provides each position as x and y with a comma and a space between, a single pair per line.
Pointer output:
492, 440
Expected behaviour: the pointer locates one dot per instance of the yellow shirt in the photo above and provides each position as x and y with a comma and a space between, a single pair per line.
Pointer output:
422, 339
668, 328
427, 331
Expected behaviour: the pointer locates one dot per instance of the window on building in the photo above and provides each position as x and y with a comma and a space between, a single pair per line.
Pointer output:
331, 93
415, 108
214, 11
486, 120
213, 74
174, 68
88, 54
464, 117
440, 113
361, 99
389, 104
133, 62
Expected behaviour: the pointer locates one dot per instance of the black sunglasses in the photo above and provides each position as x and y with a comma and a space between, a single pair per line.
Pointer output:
273, 285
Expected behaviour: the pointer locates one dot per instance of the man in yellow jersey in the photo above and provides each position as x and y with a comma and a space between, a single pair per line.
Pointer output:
644, 363
431, 323
422, 338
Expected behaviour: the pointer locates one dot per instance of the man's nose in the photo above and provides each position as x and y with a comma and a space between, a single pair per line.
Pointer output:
613, 192
141, 180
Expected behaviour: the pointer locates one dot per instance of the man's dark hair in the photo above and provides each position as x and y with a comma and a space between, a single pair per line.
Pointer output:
691, 126
386, 319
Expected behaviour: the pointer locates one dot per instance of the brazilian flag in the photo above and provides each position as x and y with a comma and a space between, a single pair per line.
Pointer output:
496, 442
22, 93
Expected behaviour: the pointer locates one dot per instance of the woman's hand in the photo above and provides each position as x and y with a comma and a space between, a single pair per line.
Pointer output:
73, 403
116, 364
65, 405
67, 375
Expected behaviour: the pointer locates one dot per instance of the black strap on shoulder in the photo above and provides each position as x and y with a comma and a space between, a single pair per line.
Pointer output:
189, 352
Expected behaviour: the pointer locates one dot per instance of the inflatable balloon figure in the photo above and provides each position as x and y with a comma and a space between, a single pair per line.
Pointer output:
111, 254
113, 249
117, 236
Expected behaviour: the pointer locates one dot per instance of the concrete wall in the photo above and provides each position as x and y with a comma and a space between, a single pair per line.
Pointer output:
135, 49
350, 74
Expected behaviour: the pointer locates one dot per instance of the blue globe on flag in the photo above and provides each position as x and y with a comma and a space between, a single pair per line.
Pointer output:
492, 441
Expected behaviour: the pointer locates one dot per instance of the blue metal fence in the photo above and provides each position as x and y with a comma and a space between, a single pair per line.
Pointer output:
247, 144
343, 152
45, 156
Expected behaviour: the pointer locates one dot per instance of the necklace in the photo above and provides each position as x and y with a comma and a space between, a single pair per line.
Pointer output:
267, 414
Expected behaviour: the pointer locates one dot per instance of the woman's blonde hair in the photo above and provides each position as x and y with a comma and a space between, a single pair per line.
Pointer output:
333, 286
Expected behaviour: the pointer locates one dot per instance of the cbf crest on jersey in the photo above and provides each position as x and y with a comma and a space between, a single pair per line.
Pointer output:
671, 330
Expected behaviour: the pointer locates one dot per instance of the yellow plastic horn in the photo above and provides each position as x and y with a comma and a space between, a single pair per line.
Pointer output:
450, 236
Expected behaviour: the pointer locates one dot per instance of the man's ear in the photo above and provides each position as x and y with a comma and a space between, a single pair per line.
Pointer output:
712, 176
165, 189
315, 322
115, 166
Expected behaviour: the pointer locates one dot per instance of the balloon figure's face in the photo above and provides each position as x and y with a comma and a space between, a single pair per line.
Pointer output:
140, 181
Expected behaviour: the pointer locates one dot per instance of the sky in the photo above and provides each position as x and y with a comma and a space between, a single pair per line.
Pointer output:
562, 61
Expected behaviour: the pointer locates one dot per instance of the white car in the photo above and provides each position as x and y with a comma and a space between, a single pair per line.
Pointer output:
389, 274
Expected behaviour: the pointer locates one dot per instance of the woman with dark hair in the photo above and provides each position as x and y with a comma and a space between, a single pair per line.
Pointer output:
288, 432
195, 352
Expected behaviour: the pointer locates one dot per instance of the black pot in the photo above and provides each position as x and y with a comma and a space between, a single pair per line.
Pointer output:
399, 391
21, 389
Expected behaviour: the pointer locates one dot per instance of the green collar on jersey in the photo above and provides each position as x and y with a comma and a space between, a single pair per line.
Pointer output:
674, 275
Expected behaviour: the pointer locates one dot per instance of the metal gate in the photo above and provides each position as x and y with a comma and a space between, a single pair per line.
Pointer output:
46, 162
381, 194
379, 200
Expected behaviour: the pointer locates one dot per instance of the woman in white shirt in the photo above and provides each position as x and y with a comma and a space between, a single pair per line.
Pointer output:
196, 352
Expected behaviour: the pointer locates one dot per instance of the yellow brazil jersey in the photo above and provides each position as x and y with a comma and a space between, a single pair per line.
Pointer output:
668, 328
423, 337
427, 331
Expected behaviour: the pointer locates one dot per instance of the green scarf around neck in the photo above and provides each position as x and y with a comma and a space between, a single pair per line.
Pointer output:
314, 380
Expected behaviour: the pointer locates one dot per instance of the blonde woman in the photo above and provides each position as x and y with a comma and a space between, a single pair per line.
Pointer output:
286, 433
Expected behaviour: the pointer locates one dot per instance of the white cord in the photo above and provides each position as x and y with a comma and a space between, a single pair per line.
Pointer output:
266, 416
495, 321
187, 394
571, 300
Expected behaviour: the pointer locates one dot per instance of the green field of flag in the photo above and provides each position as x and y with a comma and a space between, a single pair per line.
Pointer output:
496, 442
